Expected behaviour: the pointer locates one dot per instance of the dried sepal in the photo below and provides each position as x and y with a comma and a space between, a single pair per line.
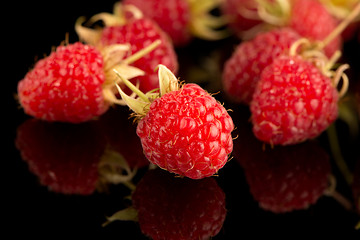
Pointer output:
127, 214
86, 34
139, 105
113, 168
167, 80
275, 12
203, 24
310, 52
339, 9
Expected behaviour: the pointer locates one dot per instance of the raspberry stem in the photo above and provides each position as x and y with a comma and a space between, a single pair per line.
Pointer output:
115, 169
132, 87
203, 24
331, 192
275, 12
336, 153
139, 54
341, 27
340, 75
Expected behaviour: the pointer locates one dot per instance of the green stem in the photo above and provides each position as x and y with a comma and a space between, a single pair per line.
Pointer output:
354, 13
132, 87
139, 54
336, 152
357, 227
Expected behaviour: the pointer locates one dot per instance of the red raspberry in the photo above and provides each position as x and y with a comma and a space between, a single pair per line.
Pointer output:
309, 18
240, 13
242, 71
176, 208
65, 157
182, 19
164, 12
312, 20
140, 33
128, 26
183, 130
65, 86
296, 176
293, 101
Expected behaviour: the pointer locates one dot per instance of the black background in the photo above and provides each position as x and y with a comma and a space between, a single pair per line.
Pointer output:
29, 33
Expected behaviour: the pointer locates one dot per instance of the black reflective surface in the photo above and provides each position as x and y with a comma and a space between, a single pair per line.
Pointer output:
65, 180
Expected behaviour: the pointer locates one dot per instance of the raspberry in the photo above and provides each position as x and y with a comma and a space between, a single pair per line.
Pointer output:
296, 176
189, 209
140, 33
128, 26
242, 71
238, 11
64, 157
183, 19
311, 20
293, 101
164, 12
65, 86
183, 130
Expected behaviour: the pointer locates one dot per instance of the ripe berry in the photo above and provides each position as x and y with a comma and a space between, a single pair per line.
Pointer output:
183, 19
242, 71
129, 26
312, 20
308, 18
74, 83
65, 86
293, 101
183, 130
64, 157
242, 15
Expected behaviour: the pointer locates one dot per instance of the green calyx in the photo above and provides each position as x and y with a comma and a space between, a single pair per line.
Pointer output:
274, 12
140, 103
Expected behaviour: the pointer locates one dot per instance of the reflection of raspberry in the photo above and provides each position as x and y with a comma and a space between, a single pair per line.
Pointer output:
242, 71
120, 133
356, 186
64, 157
179, 208
288, 178
293, 102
